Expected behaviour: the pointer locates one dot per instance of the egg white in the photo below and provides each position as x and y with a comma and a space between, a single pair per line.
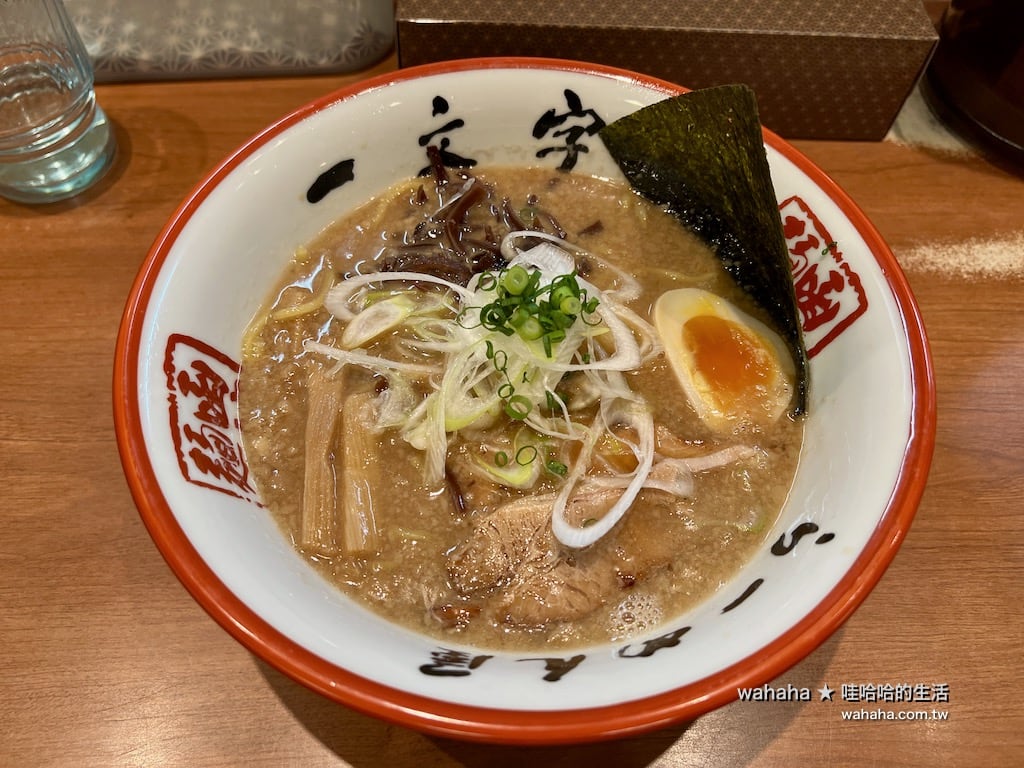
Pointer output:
673, 310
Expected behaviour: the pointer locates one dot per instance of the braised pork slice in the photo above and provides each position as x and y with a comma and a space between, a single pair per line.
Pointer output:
518, 532
472, 492
578, 583
514, 549
564, 591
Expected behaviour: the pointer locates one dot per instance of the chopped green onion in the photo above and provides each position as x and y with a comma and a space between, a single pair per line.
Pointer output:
515, 279
525, 455
570, 305
554, 401
523, 305
500, 459
518, 407
561, 293
560, 320
535, 312
531, 329
556, 467
532, 283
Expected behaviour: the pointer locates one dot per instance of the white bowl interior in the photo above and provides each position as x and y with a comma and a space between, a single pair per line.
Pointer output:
226, 256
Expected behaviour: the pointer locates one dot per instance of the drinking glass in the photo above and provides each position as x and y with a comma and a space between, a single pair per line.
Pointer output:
54, 139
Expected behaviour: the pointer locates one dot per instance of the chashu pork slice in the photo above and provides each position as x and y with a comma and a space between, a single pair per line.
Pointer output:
514, 550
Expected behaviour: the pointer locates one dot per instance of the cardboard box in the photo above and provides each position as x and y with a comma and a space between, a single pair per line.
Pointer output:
821, 69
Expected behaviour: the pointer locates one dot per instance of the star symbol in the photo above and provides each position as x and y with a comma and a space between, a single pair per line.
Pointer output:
826, 692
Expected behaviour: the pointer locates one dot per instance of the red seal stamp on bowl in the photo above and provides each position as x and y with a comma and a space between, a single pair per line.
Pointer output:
202, 389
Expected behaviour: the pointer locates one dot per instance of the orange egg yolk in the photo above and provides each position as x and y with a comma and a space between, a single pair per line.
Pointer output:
733, 362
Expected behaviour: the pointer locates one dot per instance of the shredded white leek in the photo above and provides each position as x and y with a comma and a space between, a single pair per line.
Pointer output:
637, 416
377, 319
468, 375
358, 357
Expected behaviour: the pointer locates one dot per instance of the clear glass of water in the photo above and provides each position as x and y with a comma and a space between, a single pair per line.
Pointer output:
54, 139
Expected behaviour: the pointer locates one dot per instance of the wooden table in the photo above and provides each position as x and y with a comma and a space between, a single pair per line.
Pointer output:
106, 661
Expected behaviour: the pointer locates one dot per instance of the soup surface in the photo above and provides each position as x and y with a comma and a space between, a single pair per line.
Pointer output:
444, 523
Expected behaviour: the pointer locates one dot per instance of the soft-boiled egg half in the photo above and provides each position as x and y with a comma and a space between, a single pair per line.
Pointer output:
734, 369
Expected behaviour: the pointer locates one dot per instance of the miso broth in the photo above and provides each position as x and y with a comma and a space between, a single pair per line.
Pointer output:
419, 535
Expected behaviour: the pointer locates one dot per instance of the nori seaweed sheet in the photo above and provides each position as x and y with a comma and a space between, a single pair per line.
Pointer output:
701, 155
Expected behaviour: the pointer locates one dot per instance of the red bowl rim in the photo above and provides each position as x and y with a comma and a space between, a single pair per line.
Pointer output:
447, 719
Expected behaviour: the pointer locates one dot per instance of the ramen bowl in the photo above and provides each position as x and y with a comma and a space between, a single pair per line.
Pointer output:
868, 439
